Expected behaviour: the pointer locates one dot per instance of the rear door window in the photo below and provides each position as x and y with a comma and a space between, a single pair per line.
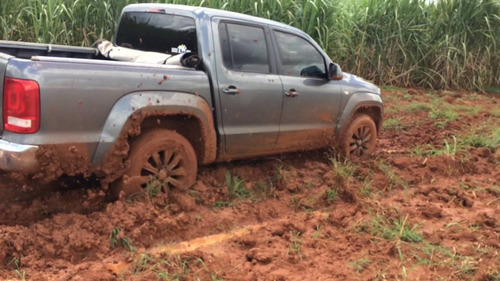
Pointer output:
157, 32
244, 48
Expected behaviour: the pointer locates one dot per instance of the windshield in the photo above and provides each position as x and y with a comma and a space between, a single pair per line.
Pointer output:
157, 32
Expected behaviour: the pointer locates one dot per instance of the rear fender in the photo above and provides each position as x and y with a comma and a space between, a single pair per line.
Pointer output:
129, 111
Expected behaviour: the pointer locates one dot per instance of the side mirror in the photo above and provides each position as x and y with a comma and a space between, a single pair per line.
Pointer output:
334, 72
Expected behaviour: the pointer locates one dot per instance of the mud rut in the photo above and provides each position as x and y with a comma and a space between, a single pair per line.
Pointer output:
395, 216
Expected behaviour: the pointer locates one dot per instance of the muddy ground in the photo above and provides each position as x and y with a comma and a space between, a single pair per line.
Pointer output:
425, 207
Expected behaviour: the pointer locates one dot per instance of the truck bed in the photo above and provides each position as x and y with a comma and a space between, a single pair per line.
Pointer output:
79, 89
27, 50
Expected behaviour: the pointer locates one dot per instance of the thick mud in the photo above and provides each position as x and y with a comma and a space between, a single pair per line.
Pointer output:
424, 207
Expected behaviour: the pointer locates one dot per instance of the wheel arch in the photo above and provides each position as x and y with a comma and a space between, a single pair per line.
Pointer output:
142, 111
361, 103
188, 126
374, 112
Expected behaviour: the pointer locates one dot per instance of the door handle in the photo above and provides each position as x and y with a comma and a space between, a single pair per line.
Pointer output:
231, 90
292, 93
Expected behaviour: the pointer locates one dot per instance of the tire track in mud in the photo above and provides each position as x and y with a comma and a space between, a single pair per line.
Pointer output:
208, 244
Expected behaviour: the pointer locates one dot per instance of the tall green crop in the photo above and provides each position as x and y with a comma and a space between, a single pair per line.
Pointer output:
413, 43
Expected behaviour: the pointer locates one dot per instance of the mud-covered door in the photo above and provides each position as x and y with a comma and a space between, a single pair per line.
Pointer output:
311, 101
250, 91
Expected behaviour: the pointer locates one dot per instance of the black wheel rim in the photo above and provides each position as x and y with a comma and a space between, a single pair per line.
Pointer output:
163, 169
360, 140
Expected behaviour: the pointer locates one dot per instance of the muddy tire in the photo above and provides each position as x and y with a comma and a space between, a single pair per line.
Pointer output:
160, 158
359, 138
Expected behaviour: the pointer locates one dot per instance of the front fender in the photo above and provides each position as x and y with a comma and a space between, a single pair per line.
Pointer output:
355, 102
153, 103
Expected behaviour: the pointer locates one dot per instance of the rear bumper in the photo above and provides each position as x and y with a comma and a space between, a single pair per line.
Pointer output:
18, 157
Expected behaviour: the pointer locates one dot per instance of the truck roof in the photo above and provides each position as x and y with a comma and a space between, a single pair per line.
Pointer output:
200, 12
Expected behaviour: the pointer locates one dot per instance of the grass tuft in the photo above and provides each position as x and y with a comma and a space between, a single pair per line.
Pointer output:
295, 245
236, 187
360, 265
394, 124
391, 229
118, 239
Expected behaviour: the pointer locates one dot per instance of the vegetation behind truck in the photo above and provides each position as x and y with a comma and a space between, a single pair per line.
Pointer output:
262, 88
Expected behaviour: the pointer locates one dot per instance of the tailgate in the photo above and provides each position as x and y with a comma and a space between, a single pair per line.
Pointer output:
4, 59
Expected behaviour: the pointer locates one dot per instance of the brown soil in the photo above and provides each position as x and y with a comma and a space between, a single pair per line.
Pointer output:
410, 212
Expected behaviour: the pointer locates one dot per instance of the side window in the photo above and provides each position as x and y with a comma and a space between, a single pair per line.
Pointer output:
244, 48
299, 57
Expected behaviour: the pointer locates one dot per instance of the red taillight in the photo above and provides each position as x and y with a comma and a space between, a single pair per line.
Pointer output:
21, 106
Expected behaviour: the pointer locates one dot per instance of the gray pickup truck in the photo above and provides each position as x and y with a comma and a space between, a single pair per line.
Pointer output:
262, 87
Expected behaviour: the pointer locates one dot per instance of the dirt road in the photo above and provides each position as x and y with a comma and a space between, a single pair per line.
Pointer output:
425, 207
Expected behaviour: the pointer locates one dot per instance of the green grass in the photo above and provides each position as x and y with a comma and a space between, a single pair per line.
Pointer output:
343, 171
170, 268
366, 189
392, 176
318, 232
495, 112
279, 173
391, 229
20, 273
141, 264
390, 110
482, 138
430, 254
462, 267
295, 245
331, 195
222, 204
442, 113
154, 187
398, 43
360, 265
449, 148
493, 90
469, 110
117, 239
416, 107
262, 190
236, 187
447, 114
394, 124
390, 88
294, 203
